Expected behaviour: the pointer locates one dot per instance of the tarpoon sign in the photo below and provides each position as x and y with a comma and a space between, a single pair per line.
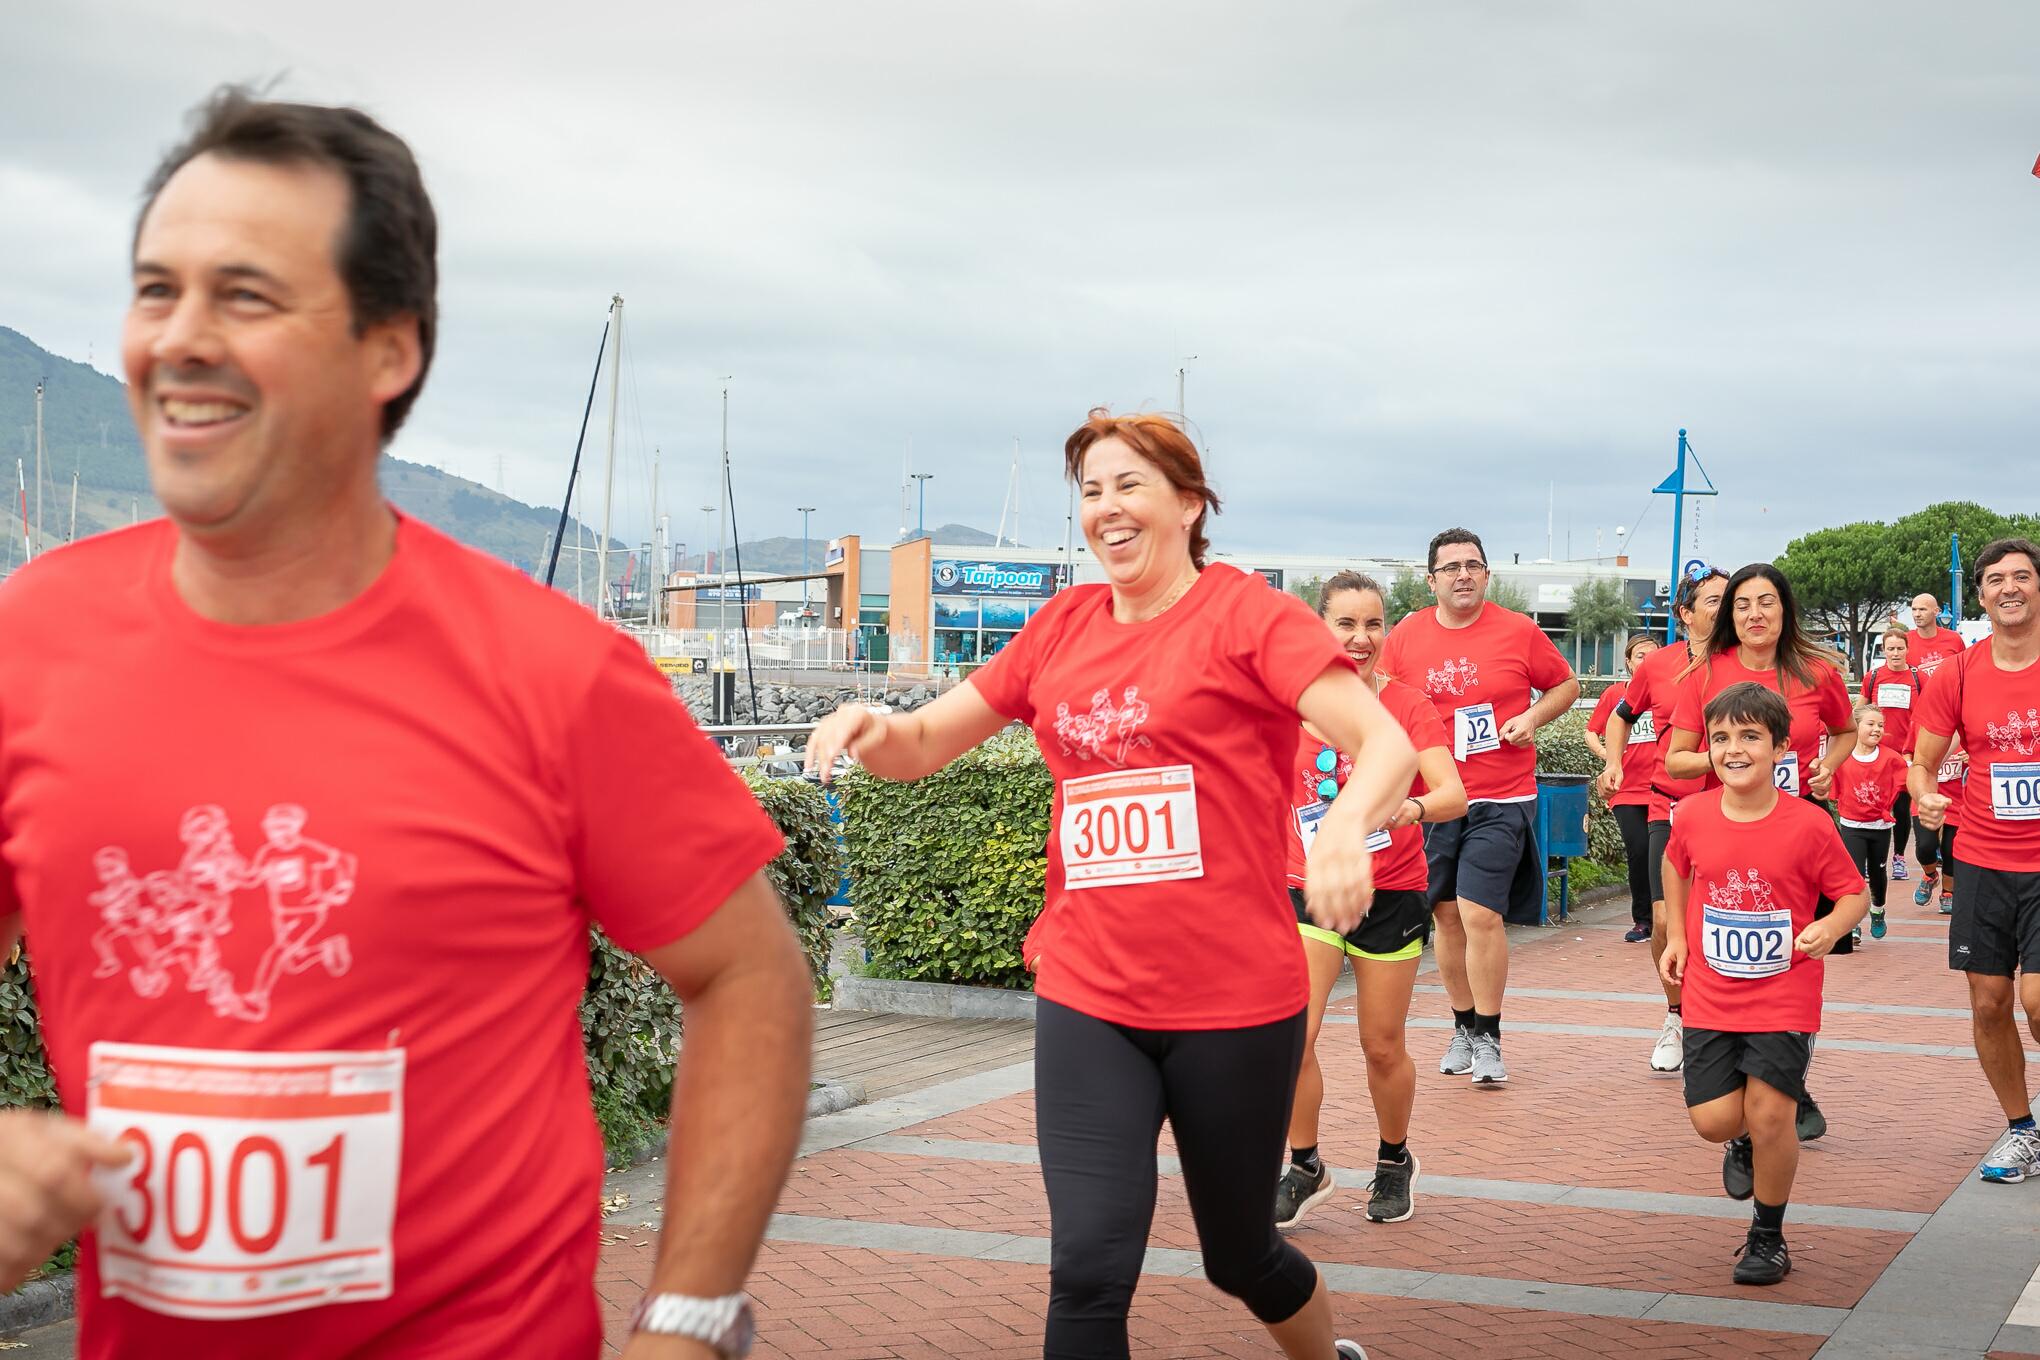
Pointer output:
1038, 580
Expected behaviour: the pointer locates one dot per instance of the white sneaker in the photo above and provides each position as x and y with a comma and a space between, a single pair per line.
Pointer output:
1488, 1070
1349, 1350
1668, 1054
2016, 1156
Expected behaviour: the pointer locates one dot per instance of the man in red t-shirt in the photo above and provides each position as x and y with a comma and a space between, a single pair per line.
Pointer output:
324, 1095
1753, 866
1483, 668
1989, 697
1929, 644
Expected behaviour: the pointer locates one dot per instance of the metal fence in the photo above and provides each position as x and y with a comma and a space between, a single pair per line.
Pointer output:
788, 649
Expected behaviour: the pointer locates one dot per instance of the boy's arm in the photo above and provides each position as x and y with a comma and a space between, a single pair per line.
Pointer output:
1672, 965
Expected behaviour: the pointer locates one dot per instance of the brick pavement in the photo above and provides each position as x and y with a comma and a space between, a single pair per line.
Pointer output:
946, 1237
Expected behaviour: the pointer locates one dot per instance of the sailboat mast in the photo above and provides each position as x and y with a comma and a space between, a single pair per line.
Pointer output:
722, 515
653, 578
39, 463
609, 464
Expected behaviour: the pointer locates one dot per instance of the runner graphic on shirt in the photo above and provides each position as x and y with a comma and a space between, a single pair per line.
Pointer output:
1088, 735
2018, 734
121, 910
1740, 894
1454, 677
305, 879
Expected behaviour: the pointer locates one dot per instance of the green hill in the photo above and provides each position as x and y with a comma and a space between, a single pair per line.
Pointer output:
87, 430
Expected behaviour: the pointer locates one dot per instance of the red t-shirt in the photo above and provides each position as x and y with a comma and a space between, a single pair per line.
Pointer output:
1478, 677
1865, 790
1638, 756
1894, 691
1652, 692
1999, 726
1815, 712
1753, 888
1170, 742
1399, 865
1925, 654
308, 907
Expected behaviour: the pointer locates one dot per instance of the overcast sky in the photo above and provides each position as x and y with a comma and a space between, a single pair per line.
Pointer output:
1430, 256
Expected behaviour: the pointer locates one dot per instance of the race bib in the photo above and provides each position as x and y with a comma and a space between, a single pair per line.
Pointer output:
1307, 819
261, 1183
1644, 729
1951, 770
1130, 826
2015, 792
1746, 944
1785, 774
1894, 696
1474, 730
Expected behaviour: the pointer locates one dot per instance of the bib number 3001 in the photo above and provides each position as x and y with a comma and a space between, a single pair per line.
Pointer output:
1747, 944
1474, 730
260, 1183
1130, 826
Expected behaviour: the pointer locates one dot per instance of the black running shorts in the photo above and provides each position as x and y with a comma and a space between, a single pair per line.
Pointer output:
1395, 927
1474, 858
1995, 930
1720, 1062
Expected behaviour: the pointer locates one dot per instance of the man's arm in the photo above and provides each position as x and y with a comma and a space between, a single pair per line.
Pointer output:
1922, 780
1521, 730
739, 1097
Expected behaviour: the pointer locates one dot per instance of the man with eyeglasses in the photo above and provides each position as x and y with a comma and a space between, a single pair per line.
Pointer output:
1483, 668
1990, 698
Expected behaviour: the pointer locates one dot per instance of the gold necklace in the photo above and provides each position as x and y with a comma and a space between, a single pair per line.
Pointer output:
1182, 589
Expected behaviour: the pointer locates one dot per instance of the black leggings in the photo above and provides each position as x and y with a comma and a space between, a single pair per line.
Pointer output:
1867, 848
1634, 819
1936, 846
1101, 1092
1901, 821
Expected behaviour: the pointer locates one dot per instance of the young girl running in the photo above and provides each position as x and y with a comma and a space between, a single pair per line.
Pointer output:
1386, 946
1866, 791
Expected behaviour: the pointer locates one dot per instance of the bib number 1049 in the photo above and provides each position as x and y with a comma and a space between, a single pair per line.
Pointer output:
1130, 826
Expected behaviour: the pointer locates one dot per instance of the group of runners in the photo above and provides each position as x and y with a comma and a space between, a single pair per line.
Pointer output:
389, 1127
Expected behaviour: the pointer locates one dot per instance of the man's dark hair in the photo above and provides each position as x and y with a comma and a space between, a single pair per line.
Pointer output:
1446, 540
1746, 701
388, 250
1998, 549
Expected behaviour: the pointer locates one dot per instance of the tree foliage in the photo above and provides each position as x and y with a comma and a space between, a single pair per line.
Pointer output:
1509, 595
1600, 608
1407, 593
1310, 590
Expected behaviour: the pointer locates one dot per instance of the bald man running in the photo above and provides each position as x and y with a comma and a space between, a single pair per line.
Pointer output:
1929, 644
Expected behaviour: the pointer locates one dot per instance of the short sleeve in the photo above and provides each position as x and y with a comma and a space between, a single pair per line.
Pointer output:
1677, 853
1687, 708
1835, 709
1424, 727
1281, 643
1005, 681
1936, 713
664, 830
1542, 661
1597, 721
1636, 694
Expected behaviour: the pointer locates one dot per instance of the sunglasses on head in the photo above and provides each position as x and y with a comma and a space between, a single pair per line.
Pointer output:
1700, 571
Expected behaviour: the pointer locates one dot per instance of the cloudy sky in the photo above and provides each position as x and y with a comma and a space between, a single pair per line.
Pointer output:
1432, 257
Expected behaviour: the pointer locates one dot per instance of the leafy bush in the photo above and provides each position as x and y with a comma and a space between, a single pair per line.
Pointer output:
949, 869
24, 1076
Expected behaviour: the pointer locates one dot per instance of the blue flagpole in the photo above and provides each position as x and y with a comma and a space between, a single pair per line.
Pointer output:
1678, 526
1955, 577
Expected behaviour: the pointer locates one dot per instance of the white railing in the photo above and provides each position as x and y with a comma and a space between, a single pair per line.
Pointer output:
764, 648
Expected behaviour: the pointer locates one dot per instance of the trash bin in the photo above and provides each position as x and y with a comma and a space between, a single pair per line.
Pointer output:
1561, 828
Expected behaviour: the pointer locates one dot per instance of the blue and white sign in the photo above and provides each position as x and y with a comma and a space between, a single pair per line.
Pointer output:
730, 595
1038, 579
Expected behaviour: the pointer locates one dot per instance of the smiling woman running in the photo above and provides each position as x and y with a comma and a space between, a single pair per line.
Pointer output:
1168, 977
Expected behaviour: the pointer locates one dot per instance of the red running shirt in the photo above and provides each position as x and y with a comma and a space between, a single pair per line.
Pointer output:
1996, 715
1478, 677
1400, 865
1748, 883
1187, 720
308, 907
1639, 757
1815, 712
1925, 655
1894, 693
1865, 790
1652, 692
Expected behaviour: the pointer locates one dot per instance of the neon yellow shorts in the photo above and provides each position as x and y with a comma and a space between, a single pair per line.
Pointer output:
1395, 929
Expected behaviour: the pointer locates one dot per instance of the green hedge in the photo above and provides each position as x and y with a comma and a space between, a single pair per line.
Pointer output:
630, 1019
948, 870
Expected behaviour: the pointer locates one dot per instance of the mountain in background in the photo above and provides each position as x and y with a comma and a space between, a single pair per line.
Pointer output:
777, 556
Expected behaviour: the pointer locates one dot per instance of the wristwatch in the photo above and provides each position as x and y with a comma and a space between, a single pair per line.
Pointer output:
725, 1324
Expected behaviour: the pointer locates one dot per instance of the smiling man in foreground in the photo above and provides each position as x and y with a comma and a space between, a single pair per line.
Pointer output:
325, 1097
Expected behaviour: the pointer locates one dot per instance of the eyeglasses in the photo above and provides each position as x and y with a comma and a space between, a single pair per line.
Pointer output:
1451, 569
1328, 765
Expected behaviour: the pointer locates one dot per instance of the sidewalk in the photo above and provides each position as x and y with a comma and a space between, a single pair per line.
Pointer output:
1573, 1213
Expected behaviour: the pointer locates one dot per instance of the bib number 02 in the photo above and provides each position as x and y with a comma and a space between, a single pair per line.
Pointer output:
1474, 730
1130, 826
1785, 774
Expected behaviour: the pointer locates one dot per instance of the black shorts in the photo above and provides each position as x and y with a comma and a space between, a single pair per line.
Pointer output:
1660, 838
1995, 930
1720, 1062
1474, 858
1395, 928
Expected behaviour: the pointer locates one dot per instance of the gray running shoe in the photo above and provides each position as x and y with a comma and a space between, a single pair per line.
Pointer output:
1394, 1197
1348, 1350
1810, 1123
1487, 1061
1458, 1059
1738, 1168
1298, 1192
2016, 1156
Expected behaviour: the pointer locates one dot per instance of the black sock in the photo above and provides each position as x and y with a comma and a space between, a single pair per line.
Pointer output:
1462, 1019
1306, 1157
1672, 1009
1770, 1218
1394, 1152
1490, 1025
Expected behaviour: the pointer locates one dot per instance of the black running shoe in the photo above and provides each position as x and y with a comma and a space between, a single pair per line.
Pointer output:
1298, 1192
1810, 1123
1738, 1168
1394, 1196
1763, 1258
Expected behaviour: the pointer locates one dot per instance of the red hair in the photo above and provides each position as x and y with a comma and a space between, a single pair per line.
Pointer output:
1159, 440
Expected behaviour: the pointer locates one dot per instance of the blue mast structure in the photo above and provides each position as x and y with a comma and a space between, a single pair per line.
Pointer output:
1675, 487
1954, 579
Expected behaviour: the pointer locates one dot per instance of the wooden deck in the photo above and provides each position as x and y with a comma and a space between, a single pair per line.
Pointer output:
890, 1054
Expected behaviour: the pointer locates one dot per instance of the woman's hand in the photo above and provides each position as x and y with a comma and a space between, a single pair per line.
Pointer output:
852, 729
1339, 879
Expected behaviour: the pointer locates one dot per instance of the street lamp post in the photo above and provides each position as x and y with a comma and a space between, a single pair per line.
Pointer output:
921, 517
1183, 368
805, 511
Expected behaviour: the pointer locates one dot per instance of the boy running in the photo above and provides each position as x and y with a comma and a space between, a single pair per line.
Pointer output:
1755, 864
1867, 788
